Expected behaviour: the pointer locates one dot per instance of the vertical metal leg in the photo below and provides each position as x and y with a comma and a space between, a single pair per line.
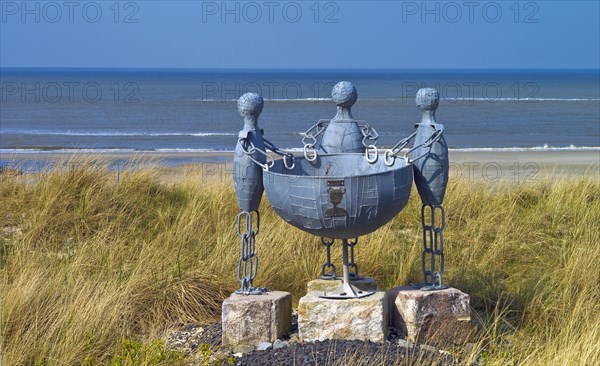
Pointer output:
352, 266
346, 290
328, 269
248, 262
433, 249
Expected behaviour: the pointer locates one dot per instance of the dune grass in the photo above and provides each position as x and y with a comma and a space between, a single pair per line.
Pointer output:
89, 260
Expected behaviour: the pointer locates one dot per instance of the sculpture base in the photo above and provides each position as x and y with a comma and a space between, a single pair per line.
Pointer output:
346, 291
319, 285
363, 319
437, 317
250, 320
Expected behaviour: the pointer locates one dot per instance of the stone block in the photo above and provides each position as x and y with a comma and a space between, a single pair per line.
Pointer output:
435, 317
363, 319
320, 285
250, 320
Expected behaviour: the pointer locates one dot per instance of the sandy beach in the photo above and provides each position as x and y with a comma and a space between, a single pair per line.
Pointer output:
491, 166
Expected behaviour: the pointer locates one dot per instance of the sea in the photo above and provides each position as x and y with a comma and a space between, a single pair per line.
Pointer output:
130, 110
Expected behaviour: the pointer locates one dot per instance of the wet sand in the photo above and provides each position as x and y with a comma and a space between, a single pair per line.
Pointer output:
524, 166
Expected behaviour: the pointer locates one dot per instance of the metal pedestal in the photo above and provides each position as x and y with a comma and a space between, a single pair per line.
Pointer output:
346, 290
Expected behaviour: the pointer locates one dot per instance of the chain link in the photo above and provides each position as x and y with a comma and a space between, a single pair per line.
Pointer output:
253, 149
435, 137
248, 262
369, 141
328, 269
286, 155
310, 139
352, 266
433, 248
370, 135
391, 154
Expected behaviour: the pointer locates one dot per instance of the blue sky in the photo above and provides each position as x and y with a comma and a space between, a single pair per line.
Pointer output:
301, 34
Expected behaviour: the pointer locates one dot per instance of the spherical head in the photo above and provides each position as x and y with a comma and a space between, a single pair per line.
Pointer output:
427, 99
250, 104
344, 94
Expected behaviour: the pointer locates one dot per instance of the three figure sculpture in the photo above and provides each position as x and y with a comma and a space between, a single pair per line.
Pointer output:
343, 186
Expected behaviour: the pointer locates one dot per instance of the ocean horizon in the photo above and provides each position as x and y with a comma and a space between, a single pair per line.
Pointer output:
171, 110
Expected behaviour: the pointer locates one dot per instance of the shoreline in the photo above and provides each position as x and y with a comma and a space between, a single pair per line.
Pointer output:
491, 165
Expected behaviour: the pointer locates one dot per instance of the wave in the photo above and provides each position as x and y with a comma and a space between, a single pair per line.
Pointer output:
545, 147
64, 150
176, 150
292, 100
524, 99
411, 97
106, 151
99, 133
498, 149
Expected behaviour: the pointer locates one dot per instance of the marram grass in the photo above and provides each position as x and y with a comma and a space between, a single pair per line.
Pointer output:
89, 262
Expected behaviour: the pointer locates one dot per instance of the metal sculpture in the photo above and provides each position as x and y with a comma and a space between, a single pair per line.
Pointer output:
247, 179
431, 178
249, 161
342, 188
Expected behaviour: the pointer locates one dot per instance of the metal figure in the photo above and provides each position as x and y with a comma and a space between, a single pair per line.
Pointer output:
343, 135
249, 154
248, 162
430, 166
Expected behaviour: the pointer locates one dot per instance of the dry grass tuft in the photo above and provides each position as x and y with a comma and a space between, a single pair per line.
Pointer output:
88, 261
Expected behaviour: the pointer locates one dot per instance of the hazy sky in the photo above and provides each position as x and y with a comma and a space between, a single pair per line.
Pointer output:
300, 34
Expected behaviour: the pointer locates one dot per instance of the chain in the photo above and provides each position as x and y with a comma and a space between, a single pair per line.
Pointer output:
253, 149
435, 137
369, 141
248, 262
391, 154
310, 139
286, 155
328, 269
352, 266
369, 133
433, 248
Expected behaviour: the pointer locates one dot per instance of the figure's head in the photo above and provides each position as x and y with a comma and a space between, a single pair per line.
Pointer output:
344, 94
250, 104
427, 99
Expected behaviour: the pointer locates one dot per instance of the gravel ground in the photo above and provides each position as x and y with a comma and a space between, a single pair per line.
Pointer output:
342, 353
195, 339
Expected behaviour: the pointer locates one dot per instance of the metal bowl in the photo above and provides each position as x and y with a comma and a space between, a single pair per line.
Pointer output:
338, 196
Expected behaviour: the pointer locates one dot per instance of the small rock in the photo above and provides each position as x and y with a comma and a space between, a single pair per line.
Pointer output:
294, 338
394, 333
219, 354
425, 347
185, 339
280, 344
243, 348
238, 355
263, 346
405, 343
